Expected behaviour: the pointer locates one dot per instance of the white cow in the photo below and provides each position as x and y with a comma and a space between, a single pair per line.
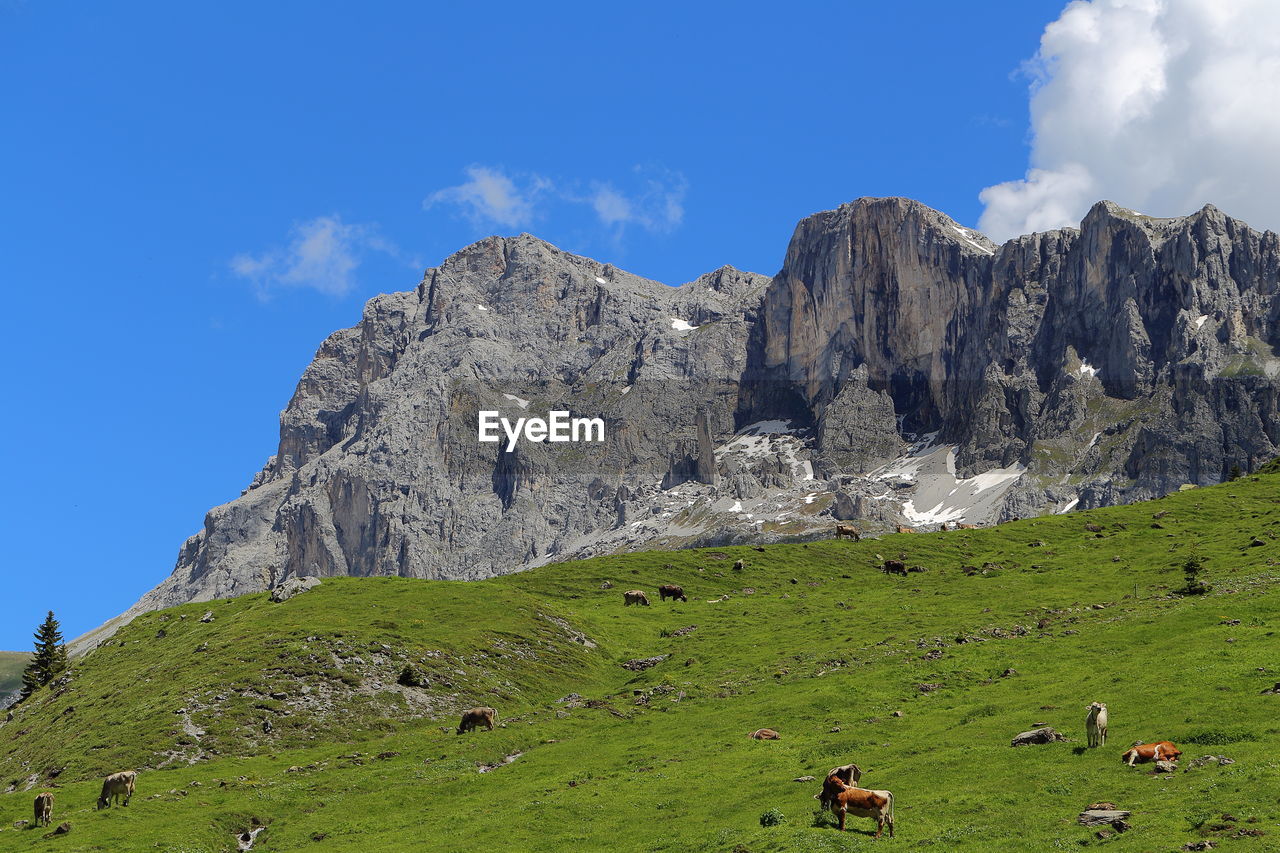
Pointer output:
1096, 724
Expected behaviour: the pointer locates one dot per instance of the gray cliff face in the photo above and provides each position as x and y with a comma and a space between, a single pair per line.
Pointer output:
1077, 367
379, 471
1158, 335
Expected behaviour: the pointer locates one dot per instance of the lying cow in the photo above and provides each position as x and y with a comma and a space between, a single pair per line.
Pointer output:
739, 565
902, 528
44, 808
861, 802
476, 716
848, 530
634, 596
1095, 724
115, 786
1144, 752
836, 780
765, 734
671, 591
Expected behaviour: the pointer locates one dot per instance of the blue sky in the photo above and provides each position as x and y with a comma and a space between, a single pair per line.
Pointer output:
193, 195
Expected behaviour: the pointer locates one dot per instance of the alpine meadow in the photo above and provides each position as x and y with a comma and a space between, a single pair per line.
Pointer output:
627, 727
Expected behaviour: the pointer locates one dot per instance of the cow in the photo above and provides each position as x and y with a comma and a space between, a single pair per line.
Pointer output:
861, 802
895, 567
739, 565
671, 591
765, 734
848, 530
835, 781
1143, 752
44, 808
902, 528
1095, 724
115, 786
474, 717
634, 596
968, 527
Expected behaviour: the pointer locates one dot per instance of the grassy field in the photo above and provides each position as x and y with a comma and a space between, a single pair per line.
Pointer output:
290, 716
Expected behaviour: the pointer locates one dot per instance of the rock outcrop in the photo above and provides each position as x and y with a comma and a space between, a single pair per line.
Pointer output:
899, 369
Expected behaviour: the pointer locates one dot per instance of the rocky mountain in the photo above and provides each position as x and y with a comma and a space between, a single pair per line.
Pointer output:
899, 369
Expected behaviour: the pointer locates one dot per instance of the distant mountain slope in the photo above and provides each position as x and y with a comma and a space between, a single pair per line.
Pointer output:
899, 369
11, 666
625, 728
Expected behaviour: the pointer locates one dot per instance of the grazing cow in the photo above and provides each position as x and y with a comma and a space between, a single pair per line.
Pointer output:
765, 734
671, 591
836, 780
904, 529
474, 717
739, 565
1144, 752
634, 596
848, 530
44, 808
895, 567
115, 786
1095, 724
862, 802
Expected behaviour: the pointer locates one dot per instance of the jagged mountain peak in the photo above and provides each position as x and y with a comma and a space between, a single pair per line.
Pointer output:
899, 368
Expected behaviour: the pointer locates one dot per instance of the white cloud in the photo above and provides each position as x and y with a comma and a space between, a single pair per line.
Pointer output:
323, 253
492, 197
658, 206
1159, 105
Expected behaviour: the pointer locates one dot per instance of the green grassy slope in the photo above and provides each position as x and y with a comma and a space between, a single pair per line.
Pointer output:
1007, 627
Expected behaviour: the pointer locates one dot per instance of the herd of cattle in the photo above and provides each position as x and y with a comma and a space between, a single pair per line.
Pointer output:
840, 791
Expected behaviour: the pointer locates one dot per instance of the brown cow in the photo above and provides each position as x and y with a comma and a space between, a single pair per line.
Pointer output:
474, 717
836, 780
671, 591
895, 567
848, 530
44, 808
634, 596
861, 802
904, 529
1144, 752
968, 527
765, 734
115, 786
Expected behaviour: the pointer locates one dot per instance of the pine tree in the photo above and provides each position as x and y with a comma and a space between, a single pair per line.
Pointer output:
1192, 569
48, 660
1235, 472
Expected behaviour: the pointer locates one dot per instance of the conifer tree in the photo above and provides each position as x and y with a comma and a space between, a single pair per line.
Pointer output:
49, 658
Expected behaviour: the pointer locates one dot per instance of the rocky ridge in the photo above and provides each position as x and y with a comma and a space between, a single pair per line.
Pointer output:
899, 369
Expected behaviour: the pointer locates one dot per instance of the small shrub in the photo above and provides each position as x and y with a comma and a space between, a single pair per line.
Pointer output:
409, 677
773, 817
